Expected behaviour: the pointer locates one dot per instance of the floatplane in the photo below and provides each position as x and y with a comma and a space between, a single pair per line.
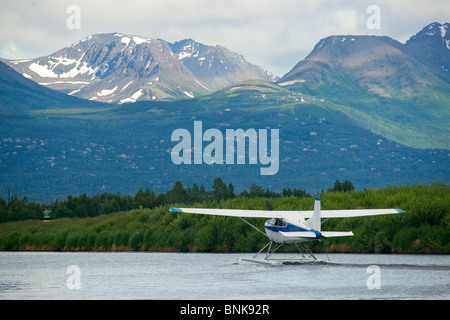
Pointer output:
295, 227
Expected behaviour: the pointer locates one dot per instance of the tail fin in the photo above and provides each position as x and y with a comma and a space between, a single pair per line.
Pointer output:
314, 221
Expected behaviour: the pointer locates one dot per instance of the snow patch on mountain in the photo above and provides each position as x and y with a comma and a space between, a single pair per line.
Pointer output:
125, 40
47, 71
140, 40
106, 92
189, 94
134, 97
42, 71
125, 86
443, 31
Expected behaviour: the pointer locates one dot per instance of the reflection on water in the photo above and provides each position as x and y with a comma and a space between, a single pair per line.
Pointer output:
51, 275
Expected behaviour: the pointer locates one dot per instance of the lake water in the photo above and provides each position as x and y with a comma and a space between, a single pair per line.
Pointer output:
139, 275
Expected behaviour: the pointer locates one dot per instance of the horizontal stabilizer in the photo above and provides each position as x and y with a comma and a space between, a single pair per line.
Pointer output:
313, 235
328, 234
300, 234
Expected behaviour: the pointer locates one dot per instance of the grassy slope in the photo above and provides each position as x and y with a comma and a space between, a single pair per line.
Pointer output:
425, 228
419, 123
415, 122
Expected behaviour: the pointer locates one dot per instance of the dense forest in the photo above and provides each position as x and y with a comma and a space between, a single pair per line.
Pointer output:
83, 206
142, 222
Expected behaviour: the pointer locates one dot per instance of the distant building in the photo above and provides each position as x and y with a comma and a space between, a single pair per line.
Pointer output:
47, 215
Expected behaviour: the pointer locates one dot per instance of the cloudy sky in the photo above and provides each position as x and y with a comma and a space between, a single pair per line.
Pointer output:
274, 34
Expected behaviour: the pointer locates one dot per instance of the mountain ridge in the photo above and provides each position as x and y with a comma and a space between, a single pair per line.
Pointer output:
362, 59
113, 68
431, 46
216, 65
383, 83
19, 94
120, 68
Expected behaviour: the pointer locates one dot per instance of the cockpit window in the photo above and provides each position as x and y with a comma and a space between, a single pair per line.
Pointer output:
277, 222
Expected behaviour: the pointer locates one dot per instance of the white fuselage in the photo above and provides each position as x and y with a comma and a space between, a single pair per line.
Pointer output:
280, 231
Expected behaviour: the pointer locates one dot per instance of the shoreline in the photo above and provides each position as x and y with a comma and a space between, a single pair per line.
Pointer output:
329, 250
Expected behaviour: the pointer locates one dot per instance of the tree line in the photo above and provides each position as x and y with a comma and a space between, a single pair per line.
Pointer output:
82, 206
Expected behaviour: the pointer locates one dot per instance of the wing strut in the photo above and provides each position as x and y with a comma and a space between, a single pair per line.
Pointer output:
252, 226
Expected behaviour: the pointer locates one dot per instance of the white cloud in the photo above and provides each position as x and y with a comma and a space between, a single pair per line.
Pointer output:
346, 20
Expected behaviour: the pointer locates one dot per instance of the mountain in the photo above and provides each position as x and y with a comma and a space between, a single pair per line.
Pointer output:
378, 65
431, 46
383, 84
217, 66
114, 68
19, 94
118, 68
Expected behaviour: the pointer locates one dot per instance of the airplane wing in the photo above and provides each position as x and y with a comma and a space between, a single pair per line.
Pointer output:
357, 212
233, 212
287, 214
